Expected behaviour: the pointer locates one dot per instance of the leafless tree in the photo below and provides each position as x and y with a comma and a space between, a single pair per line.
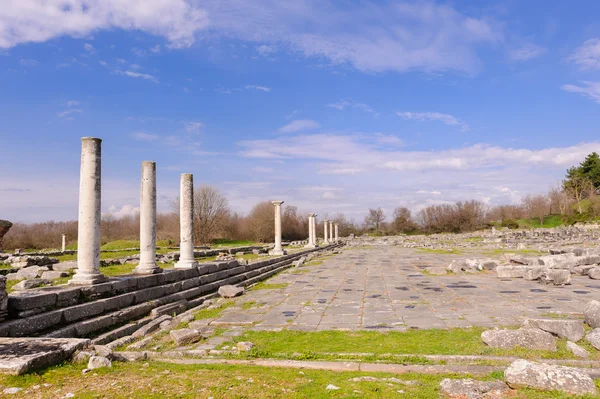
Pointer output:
402, 221
374, 218
261, 222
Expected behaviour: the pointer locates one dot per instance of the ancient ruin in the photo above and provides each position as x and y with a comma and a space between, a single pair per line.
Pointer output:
5, 225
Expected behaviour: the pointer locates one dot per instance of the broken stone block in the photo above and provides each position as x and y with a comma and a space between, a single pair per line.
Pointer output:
593, 338
594, 273
592, 314
54, 275
569, 329
185, 336
230, 291
472, 389
505, 271
28, 284
556, 277
546, 377
530, 338
97, 362
577, 350
534, 273
245, 346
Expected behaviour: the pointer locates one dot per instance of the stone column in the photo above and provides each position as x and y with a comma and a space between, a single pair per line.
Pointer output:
147, 263
312, 241
325, 235
186, 223
90, 193
278, 249
64, 243
337, 231
331, 231
5, 225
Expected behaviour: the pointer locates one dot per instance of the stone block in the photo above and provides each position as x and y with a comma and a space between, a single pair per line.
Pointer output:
118, 302
86, 327
35, 324
511, 271
54, 275
529, 338
592, 314
30, 300
570, 329
149, 294
556, 277
190, 283
185, 336
65, 266
172, 276
546, 377
172, 288
83, 311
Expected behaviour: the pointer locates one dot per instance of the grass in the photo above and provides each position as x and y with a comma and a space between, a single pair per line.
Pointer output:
5, 266
285, 344
161, 380
548, 221
502, 251
219, 243
214, 312
439, 251
268, 286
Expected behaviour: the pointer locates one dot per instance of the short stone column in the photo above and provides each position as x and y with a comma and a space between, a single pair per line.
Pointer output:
147, 263
312, 242
325, 235
331, 232
186, 223
337, 231
90, 193
64, 243
278, 249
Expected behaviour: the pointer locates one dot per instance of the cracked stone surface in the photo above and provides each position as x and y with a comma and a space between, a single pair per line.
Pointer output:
388, 288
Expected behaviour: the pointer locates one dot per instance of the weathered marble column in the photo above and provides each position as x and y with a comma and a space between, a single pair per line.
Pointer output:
147, 263
312, 241
325, 235
186, 223
331, 232
314, 230
337, 231
64, 243
278, 249
90, 193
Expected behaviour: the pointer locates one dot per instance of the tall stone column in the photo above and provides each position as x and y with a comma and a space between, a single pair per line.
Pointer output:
186, 223
90, 193
278, 249
64, 243
147, 263
331, 232
325, 235
314, 230
312, 241
337, 231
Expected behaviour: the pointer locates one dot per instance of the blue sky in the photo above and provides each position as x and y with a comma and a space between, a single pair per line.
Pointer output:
331, 106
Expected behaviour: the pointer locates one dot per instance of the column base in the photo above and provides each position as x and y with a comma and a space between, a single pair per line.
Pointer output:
88, 279
186, 264
277, 252
151, 268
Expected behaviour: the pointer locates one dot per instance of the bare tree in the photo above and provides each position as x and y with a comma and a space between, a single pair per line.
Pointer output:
374, 218
402, 221
577, 187
211, 211
261, 222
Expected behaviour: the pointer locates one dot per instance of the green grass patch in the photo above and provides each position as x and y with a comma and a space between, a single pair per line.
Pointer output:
412, 342
268, 286
5, 266
452, 251
213, 312
314, 263
221, 242
250, 305
548, 221
161, 380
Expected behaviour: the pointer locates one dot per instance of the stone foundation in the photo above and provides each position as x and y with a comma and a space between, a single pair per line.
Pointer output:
78, 311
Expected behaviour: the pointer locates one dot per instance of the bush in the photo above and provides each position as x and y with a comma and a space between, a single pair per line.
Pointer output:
510, 223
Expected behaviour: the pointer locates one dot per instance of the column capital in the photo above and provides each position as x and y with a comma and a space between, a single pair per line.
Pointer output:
312, 215
277, 203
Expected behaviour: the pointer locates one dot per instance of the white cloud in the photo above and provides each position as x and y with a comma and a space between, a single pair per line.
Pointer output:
193, 127
299, 125
67, 114
125, 210
434, 116
526, 52
255, 87
588, 89
27, 62
349, 103
41, 20
72, 103
394, 36
132, 74
429, 192
89, 48
388, 140
142, 136
587, 56
262, 169
265, 49
155, 49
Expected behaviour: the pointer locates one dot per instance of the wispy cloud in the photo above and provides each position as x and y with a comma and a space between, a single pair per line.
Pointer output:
587, 56
26, 62
434, 116
256, 87
193, 127
138, 75
89, 48
142, 136
588, 89
265, 50
349, 103
526, 52
299, 125
70, 111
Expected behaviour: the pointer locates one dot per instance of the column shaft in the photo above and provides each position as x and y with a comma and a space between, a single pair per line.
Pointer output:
147, 263
325, 235
88, 237
331, 232
186, 223
64, 243
278, 249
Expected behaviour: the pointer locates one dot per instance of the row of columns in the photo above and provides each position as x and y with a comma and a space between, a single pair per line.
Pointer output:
88, 252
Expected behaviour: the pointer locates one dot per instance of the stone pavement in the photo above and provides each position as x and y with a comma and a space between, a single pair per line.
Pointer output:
385, 288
